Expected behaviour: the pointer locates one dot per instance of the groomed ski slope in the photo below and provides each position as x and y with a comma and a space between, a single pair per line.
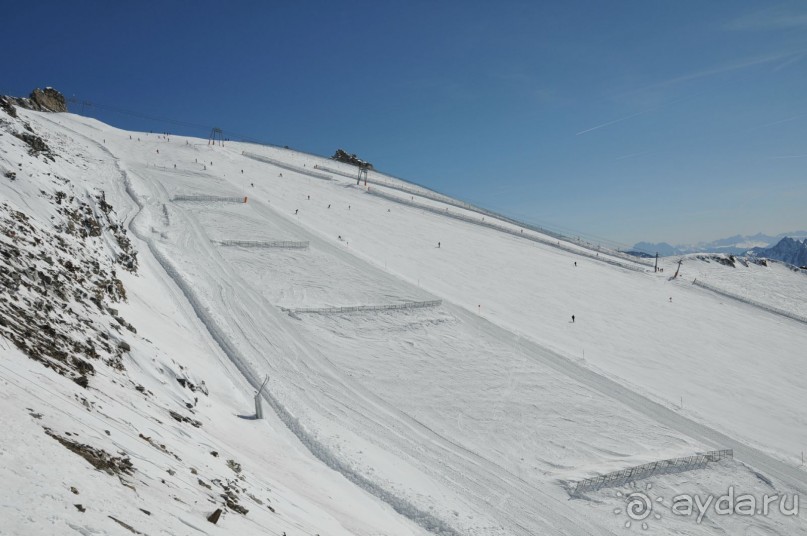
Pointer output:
468, 418
176, 481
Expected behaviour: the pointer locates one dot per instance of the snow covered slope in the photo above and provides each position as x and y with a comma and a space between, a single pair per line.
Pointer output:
469, 417
162, 436
770, 283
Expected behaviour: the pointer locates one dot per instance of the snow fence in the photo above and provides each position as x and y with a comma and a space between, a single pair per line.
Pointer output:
769, 308
284, 244
661, 467
507, 230
213, 198
290, 167
360, 308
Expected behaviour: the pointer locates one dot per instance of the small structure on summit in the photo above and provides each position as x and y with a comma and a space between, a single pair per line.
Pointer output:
342, 156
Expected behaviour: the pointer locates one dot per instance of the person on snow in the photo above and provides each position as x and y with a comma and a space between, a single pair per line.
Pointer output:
572, 319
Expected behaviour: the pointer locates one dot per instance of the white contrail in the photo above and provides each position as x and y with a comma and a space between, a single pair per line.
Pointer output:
611, 122
796, 58
786, 120
632, 155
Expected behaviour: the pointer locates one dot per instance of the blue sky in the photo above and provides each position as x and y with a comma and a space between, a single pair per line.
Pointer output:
676, 121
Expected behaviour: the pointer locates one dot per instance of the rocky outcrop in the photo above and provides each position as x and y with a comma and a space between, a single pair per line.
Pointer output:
40, 100
7, 105
48, 100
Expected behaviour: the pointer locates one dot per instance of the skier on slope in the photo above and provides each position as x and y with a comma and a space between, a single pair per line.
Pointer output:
572, 319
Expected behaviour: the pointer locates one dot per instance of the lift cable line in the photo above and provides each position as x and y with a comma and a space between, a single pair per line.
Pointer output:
165, 120
140, 115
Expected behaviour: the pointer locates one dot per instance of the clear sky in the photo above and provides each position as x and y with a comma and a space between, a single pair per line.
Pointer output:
677, 121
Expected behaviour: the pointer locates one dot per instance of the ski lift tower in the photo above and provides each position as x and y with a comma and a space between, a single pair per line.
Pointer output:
216, 134
362, 173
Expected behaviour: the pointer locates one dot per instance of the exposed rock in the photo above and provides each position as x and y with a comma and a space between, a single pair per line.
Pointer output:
181, 418
125, 525
46, 100
7, 106
725, 260
161, 447
235, 507
36, 145
214, 517
234, 465
40, 100
98, 458
44, 282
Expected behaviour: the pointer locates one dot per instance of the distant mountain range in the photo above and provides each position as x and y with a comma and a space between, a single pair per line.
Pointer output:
734, 245
787, 250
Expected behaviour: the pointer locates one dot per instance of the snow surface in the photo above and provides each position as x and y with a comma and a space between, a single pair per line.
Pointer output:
776, 285
468, 418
